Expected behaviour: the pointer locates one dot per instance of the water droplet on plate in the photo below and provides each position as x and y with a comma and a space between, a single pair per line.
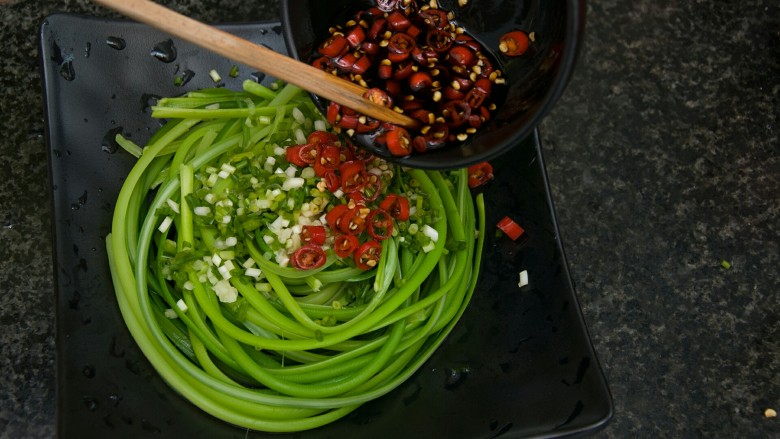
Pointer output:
148, 100
87, 49
116, 43
73, 302
455, 377
115, 398
165, 51
258, 76
109, 144
88, 371
182, 78
90, 402
67, 71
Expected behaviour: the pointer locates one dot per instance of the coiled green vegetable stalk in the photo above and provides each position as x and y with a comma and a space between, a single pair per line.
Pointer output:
241, 335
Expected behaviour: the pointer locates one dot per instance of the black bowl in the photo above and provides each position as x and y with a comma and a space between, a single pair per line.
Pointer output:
535, 79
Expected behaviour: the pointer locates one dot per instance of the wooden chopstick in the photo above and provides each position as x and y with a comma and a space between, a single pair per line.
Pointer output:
266, 60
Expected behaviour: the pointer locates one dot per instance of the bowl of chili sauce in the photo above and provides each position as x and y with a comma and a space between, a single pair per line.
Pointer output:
479, 75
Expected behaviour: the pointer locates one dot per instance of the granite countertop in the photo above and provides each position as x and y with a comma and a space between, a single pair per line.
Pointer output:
663, 161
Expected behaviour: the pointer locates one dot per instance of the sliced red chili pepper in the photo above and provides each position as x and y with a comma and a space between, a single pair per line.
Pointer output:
399, 143
358, 153
400, 47
456, 113
434, 18
348, 121
413, 31
380, 224
334, 46
420, 80
392, 87
334, 113
323, 63
379, 97
311, 234
353, 220
321, 138
344, 245
367, 124
439, 40
367, 255
329, 159
334, 215
293, 155
396, 205
420, 144
370, 47
487, 68
475, 98
309, 153
377, 28
409, 105
385, 70
436, 137
353, 175
345, 63
398, 21
423, 115
372, 188
332, 181
309, 257
480, 174
451, 94
462, 55
513, 43
362, 65
484, 85
475, 121
355, 36
510, 228
463, 84
403, 70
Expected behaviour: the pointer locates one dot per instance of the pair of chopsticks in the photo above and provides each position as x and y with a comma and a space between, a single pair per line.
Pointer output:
245, 52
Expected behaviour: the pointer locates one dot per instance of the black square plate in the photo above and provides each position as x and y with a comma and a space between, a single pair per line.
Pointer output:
518, 364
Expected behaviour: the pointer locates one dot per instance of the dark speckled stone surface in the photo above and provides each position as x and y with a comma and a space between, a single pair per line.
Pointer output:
663, 156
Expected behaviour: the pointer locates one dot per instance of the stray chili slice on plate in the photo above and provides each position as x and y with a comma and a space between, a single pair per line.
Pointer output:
313, 234
367, 255
510, 228
380, 224
480, 174
309, 257
344, 245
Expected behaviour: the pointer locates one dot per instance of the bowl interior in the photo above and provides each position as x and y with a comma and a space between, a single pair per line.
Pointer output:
535, 80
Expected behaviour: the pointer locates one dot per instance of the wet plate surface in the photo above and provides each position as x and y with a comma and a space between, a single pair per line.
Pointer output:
519, 364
